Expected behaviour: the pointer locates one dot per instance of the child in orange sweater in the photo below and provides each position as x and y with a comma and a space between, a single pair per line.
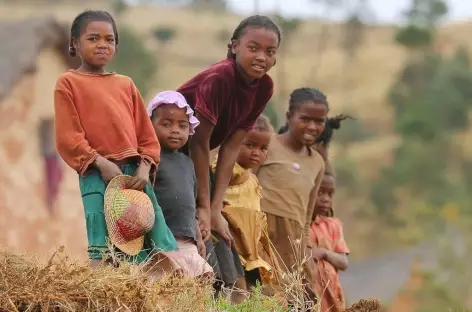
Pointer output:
103, 130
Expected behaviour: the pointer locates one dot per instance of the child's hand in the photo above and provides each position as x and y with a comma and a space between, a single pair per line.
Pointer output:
141, 177
108, 170
204, 217
319, 253
200, 243
201, 247
220, 226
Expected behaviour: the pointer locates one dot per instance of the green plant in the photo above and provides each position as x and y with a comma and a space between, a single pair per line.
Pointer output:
164, 34
271, 113
257, 302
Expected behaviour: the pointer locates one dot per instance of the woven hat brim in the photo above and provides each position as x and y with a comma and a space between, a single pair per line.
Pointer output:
133, 247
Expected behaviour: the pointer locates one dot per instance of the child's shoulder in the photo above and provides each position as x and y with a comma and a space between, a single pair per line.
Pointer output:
72, 77
335, 222
222, 72
266, 82
317, 158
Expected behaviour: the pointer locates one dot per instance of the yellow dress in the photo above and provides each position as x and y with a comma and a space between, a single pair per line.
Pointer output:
248, 225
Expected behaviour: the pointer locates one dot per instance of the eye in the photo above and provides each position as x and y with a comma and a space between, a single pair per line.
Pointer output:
271, 53
111, 40
252, 48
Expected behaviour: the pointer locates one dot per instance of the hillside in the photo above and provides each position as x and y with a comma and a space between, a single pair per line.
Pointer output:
198, 44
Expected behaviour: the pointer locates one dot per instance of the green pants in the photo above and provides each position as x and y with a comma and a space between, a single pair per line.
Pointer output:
92, 188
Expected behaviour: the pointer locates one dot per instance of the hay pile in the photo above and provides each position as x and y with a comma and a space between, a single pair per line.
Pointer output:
65, 285
363, 305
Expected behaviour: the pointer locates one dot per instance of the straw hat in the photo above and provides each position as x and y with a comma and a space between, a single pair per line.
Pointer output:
129, 215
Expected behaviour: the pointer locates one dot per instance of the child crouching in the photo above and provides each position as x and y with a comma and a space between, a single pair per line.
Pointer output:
175, 185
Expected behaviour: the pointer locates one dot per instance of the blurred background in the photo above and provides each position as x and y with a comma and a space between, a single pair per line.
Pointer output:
404, 165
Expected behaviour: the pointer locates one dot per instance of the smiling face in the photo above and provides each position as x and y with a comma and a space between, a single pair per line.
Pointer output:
96, 45
307, 122
171, 125
255, 52
253, 151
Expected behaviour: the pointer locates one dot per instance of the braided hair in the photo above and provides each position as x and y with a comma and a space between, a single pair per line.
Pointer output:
332, 124
81, 22
255, 21
300, 96
263, 124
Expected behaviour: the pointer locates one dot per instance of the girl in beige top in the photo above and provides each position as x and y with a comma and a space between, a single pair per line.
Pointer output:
291, 176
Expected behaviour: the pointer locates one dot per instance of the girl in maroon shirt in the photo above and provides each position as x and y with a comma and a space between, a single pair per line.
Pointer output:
227, 98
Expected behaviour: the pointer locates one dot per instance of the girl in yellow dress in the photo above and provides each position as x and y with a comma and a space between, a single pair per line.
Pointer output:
242, 210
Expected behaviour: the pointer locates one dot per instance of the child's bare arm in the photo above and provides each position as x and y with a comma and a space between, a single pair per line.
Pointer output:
199, 148
338, 260
200, 243
227, 156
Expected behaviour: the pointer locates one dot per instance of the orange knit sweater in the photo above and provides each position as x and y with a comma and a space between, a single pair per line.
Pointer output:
101, 115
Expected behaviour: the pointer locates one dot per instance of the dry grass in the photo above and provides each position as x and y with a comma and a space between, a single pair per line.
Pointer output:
66, 285
62, 284
369, 305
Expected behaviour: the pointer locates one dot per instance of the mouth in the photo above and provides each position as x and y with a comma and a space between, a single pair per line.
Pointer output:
174, 140
254, 160
309, 137
101, 54
258, 68
324, 209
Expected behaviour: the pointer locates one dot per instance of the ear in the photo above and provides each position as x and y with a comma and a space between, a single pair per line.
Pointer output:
288, 115
75, 43
234, 46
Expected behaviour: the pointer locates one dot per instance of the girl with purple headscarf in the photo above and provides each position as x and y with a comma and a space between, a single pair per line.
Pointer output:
175, 185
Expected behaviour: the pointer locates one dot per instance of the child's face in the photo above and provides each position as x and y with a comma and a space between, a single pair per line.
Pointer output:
307, 123
171, 125
253, 151
96, 45
255, 51
324, 200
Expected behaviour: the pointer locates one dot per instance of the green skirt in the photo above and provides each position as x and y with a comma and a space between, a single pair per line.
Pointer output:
92, 188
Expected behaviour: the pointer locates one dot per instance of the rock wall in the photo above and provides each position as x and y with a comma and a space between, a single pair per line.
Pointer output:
26, 224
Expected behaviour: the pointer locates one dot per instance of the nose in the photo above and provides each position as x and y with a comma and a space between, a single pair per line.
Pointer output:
260, 57
102, 44
311, 126
325, 198
255, 153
